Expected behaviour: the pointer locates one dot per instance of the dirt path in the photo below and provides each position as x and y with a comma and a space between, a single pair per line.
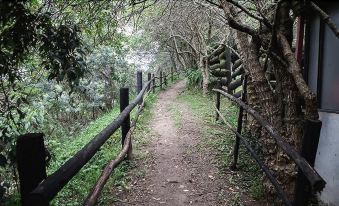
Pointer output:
180, 171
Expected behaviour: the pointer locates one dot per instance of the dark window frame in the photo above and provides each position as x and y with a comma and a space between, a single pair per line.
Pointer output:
320, 70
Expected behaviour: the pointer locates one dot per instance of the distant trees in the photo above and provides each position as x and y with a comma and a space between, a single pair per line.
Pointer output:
187, 31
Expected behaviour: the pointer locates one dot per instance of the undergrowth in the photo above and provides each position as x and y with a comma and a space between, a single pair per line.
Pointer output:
194, 77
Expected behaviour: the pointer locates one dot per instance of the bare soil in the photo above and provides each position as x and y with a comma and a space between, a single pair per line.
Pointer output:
179, 171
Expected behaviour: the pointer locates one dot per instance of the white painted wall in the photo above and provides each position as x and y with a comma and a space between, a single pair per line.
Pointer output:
327, 159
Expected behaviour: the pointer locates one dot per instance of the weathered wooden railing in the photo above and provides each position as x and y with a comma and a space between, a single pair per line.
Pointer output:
231, 84
308, 179
38, 190
225, 65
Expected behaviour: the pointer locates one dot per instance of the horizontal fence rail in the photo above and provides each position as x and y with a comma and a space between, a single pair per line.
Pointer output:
306, 171
96, 190
259, 162
317, 182
46, 190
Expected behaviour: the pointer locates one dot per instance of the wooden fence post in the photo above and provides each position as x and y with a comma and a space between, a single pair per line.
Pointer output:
31, 161
303, 190
217, 103
239, 127
149, 77
139, 81
172, 79
165, 79
153, 83
139, 84
160, 79
126, 125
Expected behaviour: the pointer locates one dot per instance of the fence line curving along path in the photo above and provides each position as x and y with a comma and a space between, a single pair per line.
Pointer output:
39, 190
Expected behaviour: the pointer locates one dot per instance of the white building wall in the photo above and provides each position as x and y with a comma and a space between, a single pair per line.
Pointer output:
327, 159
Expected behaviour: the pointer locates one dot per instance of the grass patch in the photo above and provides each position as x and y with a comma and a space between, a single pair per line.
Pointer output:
143, 125
200, 105
62, 149
176, 114
257, 189
251, 176
220, 139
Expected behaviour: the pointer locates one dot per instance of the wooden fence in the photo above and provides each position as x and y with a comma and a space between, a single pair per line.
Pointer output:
225, 65
37, 189
233, 86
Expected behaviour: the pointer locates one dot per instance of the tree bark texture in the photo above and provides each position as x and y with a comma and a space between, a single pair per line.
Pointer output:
279, 104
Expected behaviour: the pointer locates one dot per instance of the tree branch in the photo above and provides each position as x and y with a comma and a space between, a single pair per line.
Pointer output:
326, 18
178, 55
273, 37
235, 24
241, 27
294, 69
263, 20
214, 4
187, 42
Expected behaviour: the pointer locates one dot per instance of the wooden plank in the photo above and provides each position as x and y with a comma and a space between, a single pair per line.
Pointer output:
139, 81
222, 73
235, 84
221, 65
213, 60
223, 82
237, 94
236, 64
217, 51
239, 71
239, 127
217, 104
153, 83
126, 124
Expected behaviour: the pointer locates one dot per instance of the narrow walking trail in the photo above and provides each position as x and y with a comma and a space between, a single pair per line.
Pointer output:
180, 171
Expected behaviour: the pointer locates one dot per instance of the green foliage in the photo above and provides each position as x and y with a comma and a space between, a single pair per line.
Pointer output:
66, 146
64, 54
61, 66
62, 149
59, 46
55, 76
257, 189
236, 200
194, 78
251, 176
198, 103
29, 39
